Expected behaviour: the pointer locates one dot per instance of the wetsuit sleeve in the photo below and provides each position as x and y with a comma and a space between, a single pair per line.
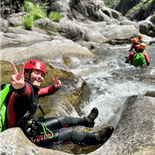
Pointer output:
25, 91
11, 114
46, 91
146, 56
131, 47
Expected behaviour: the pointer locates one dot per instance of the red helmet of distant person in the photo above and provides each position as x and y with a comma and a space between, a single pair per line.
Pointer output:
140, 36
35, 64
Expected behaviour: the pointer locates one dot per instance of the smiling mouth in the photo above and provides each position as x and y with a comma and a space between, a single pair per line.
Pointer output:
37, 80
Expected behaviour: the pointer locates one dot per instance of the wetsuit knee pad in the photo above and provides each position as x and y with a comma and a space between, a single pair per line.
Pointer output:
62, 119
52, 123
69, 134
71, 121
77, 137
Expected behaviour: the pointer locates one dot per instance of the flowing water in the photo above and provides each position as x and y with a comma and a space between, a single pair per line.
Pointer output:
112, 81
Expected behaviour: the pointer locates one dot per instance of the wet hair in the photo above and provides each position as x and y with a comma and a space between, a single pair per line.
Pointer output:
29, 71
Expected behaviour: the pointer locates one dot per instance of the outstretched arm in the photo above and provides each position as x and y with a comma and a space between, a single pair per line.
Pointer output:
51, 89
57, 83
17, 79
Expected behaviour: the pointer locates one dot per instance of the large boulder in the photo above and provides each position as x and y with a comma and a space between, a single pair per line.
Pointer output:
21, 37
135, 10
46, 49
147, 27
151, 19
16, 18
4, 25
73, 30
60, 6
13, 141
120, 32
135, 132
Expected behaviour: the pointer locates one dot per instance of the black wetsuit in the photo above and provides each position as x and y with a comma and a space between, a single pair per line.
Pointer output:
20, 102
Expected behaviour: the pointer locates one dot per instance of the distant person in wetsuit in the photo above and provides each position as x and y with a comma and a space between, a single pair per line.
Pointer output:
25, 89
140, 49
139, 39
135, 44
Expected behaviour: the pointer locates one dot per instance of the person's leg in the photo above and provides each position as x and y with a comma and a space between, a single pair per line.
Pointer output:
77, 137
61, 121
146, 58
130, 58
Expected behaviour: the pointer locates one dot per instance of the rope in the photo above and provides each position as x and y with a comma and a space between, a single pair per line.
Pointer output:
45, 129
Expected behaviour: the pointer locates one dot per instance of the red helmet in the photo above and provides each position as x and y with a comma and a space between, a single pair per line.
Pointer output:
140, 36
35, 64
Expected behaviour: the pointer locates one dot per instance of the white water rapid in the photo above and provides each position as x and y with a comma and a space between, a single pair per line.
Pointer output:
112, 81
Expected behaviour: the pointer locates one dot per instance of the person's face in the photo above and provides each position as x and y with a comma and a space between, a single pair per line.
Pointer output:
37, 77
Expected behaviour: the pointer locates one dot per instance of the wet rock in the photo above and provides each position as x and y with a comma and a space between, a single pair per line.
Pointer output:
13, 141
18, 39
16, 18
134, 133
4, 25
48, 49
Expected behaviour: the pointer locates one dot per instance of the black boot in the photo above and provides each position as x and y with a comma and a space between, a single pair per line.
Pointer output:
91, 117
148, 63
103, 135
126, 61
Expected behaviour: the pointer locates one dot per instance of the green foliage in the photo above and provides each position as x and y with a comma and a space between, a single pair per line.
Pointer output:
150, 1
131, 10
29, 6
37, 14
54, 29
44, 6
28, 22
39, 26
19, 24
55, 16
108, 3
142, 4
34, 13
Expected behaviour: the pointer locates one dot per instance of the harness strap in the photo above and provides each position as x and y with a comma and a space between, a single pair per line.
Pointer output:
31, 110
41, 109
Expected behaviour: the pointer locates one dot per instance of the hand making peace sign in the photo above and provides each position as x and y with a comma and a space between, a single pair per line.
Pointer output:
17, 80
57, 83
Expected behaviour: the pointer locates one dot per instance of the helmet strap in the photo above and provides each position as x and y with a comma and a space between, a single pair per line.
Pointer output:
30, 75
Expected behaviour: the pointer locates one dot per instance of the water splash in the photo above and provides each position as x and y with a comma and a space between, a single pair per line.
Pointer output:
111, 82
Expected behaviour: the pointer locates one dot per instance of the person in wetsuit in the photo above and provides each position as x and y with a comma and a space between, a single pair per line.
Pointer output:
135, 44
140, 49
139, 38
25, 89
